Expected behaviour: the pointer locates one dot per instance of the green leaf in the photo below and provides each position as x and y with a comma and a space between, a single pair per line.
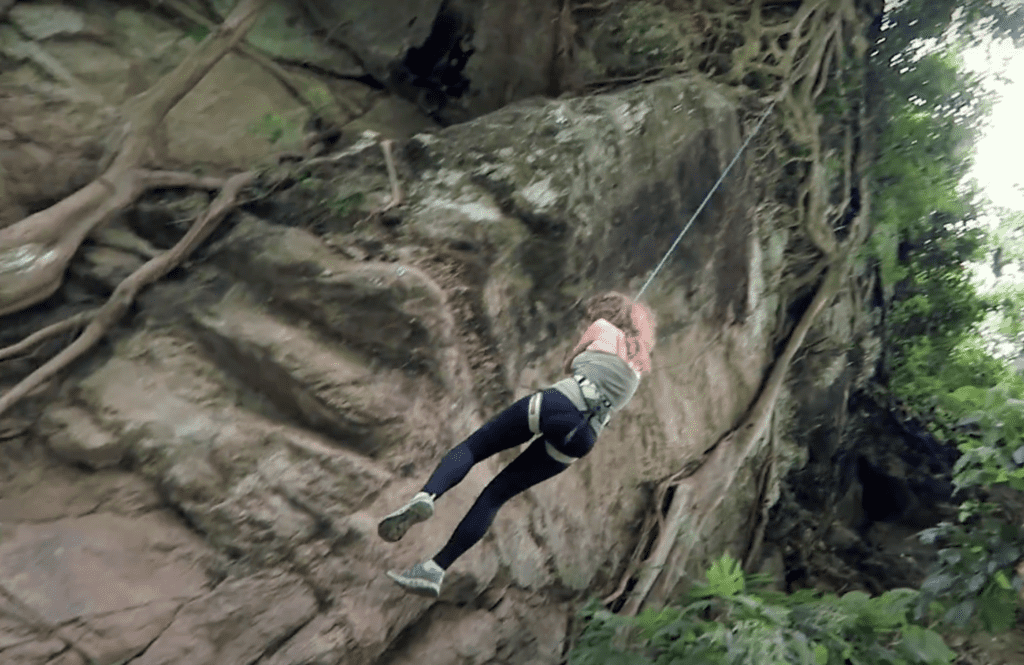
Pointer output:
997, 610
725, 577
820, 654
924, 646
960, 613
937, 583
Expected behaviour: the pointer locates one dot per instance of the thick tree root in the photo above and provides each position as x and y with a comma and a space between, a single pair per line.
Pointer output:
125, 293
35, 252
698, 495
397, 197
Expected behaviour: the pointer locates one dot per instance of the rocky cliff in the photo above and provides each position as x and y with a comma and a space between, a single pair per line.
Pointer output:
205, 486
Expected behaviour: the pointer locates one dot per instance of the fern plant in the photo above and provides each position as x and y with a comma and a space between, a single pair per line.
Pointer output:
720, 622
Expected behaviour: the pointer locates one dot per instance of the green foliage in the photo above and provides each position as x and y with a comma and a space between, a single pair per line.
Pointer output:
721, 623
197, 32
274, 127
907, 21
993, 451
978, 406
923, 237
924, 152
725, 579
970, 586
344, 205
1006, 242
319, 98
926, 370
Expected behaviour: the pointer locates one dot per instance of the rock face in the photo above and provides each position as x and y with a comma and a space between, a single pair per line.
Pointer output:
297, 386
236, 445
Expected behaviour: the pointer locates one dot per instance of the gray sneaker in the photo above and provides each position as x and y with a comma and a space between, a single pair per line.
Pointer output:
423, 579
394, 526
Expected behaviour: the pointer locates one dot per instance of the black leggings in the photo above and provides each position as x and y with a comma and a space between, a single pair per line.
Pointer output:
558, 416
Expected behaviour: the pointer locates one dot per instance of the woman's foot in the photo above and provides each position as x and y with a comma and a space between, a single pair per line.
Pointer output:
394, 526
423, 579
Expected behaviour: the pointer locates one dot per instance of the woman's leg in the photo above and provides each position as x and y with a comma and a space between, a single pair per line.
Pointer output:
509, 428
558, 417
531, 467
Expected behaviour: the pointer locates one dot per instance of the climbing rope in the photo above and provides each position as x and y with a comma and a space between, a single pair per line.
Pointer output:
707, 198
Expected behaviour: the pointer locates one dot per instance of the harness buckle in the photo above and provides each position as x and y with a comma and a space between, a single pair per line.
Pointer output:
599, 405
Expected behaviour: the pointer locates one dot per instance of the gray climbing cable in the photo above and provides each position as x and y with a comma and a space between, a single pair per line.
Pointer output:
707, 198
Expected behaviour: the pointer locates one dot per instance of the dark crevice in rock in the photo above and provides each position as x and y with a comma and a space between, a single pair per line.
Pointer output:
431, 74
846, 520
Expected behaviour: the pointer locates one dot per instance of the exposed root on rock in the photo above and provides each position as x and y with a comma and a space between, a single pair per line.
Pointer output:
119, 302
70, 323
291, 83
699, 494
396, 188
35, 252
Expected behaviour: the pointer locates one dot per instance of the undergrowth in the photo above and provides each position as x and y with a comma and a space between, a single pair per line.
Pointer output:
730, 620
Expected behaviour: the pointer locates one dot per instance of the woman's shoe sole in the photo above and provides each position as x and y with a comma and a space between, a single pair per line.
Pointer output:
394, 526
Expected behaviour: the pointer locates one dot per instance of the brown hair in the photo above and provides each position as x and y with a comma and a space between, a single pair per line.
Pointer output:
617, 308
613, 307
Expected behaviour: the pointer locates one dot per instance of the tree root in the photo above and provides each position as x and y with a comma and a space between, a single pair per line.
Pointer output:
699, 494
35, 252
396, 188
797, 52
261, 58
646, 532
125, 293
397, 197
765, 485
70, 323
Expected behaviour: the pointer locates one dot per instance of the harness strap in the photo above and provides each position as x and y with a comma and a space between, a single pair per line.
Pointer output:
534, 412
556, 455
533, 415
595, 400
598, 407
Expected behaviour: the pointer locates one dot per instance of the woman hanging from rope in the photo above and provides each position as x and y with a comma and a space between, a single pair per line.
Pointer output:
606, 366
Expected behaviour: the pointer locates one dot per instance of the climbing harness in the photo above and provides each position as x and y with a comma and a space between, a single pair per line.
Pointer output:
598, 408
707, 198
